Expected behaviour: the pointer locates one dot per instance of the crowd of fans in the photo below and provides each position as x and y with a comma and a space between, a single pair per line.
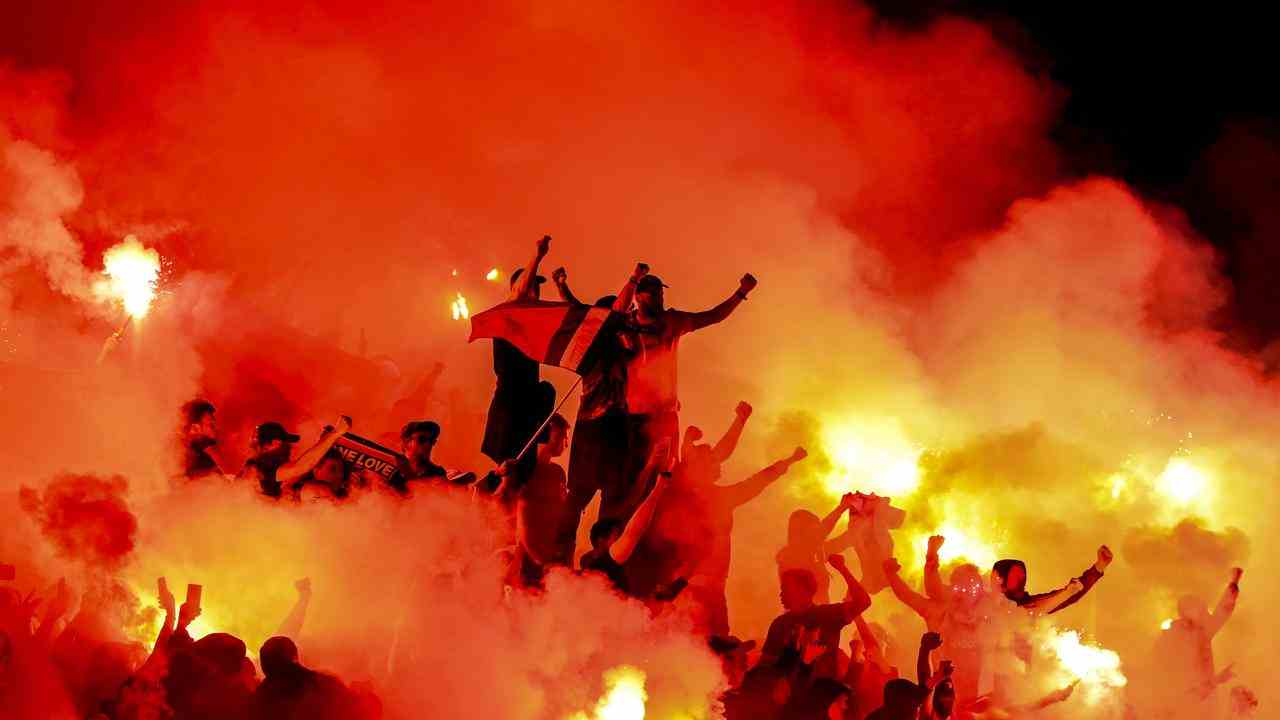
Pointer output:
663, 536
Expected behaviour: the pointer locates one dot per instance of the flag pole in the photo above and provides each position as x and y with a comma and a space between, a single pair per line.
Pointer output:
543, 426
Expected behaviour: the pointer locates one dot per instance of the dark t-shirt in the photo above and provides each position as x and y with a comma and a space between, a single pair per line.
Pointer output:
828, 619
603, 563
196, 461
266, 471
515, 370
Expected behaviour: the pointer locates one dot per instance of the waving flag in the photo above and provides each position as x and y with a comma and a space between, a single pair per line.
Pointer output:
561, 334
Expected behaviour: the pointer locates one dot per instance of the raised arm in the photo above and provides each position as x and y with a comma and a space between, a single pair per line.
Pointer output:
1226, 605
933, 585
636, 527
307, 461
729, 441
627, 294
856, 599
722, 311
912, 599
749, 489
1079, 587
929, 642
520, 289
292, 625
561, 278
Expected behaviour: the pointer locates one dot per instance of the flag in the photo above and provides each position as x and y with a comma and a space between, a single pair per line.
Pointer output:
561, 334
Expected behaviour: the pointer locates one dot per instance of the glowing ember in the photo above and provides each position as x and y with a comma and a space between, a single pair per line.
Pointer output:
1168, 623
459, 308
1182, 481
624, 696
131, 271
1095, 668
492, 275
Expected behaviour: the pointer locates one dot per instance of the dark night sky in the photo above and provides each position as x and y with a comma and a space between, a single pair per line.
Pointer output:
1178, 99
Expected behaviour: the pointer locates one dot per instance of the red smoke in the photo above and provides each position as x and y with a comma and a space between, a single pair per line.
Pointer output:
86, 517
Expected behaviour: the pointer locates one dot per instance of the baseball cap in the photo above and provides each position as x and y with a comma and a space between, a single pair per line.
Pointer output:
650, 283
273, 430
417, 426
538, 279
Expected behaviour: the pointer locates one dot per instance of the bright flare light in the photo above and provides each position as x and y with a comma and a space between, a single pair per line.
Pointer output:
1096, 668
459, 308
1182, 481
1168, 623
624, 696
492, 275
871, 457
132, 271
960, 546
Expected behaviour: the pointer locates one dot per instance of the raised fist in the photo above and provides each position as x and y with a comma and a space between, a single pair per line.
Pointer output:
743, 410
1236, 574
747, 284
935, 544
544, 244
799, 454
1105, 556
931, 641
559, 275
641, 270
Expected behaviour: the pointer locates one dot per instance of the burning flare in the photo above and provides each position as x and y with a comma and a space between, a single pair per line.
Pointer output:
131, 273
492, 275
459, 308
624, 696
1097, 669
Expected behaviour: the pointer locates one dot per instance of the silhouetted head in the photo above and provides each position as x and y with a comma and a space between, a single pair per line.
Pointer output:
966, 583
199, 422
649, 294
273, 443
555, 436
798, 587
418, 439
902, 698
535, 287
804, 529
1010, 576
605, 533
277, 656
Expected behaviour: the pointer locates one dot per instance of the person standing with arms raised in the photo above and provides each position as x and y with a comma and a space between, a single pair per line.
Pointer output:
653, 403
520, 400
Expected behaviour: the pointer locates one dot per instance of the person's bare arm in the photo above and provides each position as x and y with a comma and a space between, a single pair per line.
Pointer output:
856, 599
521, 287
1227, 604
719, 313
1057, 598
929, 642
307, 461
724, 448
627, 294
638, 525
912, 599
933, 585
747, 490
292, 625
560, 277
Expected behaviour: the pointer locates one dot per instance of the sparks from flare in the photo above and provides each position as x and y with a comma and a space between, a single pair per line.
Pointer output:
459, 308
492, 275
131, 272
1096, 668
